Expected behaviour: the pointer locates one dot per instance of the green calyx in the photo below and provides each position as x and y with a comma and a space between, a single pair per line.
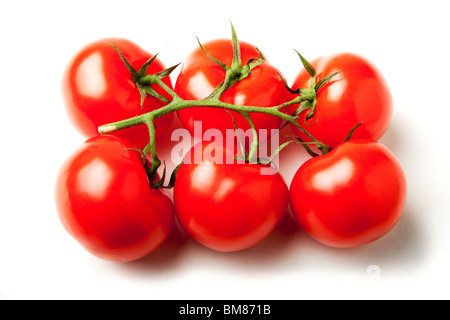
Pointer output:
152, 174
309, 95
236, 72
143, 81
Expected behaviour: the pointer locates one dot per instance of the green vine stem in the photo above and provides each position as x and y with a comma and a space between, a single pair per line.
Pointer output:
234, 73
178, 104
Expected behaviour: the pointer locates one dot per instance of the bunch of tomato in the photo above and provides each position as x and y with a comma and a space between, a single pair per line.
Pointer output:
347, 197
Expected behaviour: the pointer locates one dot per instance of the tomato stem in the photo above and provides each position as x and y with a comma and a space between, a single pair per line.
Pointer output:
178, 104
155, 162
306, 99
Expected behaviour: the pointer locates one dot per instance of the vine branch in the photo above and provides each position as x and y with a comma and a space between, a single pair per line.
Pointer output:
236, 72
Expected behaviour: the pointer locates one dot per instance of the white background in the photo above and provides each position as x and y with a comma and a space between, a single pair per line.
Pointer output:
406, 39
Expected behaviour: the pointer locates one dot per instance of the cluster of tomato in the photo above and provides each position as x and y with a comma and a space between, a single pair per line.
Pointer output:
350, 196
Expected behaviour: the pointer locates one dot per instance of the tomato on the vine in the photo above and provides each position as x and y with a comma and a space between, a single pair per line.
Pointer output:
105, 202
98, 89
200, 76
359, 93
227, 206
350, 196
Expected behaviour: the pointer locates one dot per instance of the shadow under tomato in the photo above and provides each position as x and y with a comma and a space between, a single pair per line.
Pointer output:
180, 251
400, 253
276, 249
164, 258
403, 248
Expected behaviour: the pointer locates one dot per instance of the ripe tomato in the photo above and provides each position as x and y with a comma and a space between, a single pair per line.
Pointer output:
227, 206
358, 93
351, 196
200, 76
104, 200
97, 89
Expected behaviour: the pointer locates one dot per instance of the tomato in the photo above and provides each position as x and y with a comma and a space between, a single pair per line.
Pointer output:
351, 196
200, 76
227, 206
98, 89
358, 93
105, 202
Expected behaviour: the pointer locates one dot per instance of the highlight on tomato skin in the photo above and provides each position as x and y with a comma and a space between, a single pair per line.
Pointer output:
97, 88
351, 196
227, 207
104, 200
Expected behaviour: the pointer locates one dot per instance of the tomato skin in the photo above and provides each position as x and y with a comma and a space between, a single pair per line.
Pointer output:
228, 207
104, 201
98, 89
351, 196
358, 93
200, 76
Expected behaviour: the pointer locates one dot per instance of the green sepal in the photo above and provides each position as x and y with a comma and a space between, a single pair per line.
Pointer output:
143, 157
278, 150
250, 65
292, 91
312, 112
133, 72
323, 81
219, 63
143, 70
309, 68
159, 184
306, 146
166, 72
237, 60
236, 72
151, 173
146, 81
142, 80
142, 92
150, 91
173, 177
305, 105
351, 132
241, 143
310, 94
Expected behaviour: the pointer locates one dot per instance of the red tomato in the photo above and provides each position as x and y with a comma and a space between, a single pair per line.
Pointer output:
105, 202
98, 89
351, 196
359, 93
200, 76
227, 207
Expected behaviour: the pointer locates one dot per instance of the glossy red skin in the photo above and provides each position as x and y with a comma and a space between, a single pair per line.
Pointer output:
351, 196
228, 207
359, 93
104, 201
200, 76
98, 89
